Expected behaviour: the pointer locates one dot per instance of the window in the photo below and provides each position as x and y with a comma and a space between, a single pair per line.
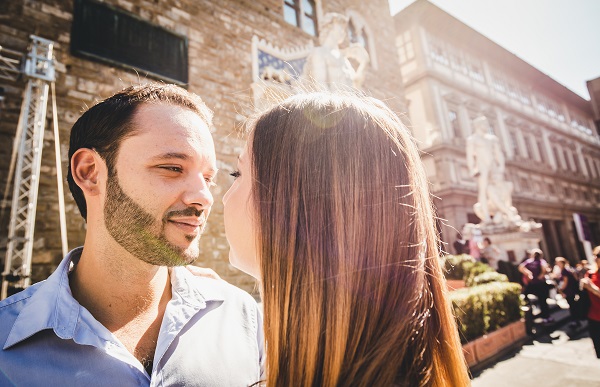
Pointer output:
560, 163
541, 107
513, 143
590, 166
513, 91
575, 162
541, 151
570, 160
454, 123
528, 147
525, 184
531, 148
499, 84
475, 72
405, 47
359, 32
108, 34
358, 35
578, 123
586, 195
437, 52
524, 98
301, 13
457, 63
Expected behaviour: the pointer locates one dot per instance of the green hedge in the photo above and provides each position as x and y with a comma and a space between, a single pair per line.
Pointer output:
484, 308
485, 278
464, 267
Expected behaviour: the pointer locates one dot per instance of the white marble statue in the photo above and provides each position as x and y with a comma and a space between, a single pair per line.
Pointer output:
499, 202
328, 65
485, 159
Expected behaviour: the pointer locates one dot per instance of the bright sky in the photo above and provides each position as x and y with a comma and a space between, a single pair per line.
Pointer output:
558, 37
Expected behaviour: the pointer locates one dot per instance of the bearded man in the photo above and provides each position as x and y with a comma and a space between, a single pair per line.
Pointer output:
121, 311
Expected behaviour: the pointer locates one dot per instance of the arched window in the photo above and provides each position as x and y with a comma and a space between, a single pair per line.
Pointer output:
358, 35
359, 32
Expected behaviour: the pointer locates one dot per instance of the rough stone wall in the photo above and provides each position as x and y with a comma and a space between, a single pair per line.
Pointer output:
220, 71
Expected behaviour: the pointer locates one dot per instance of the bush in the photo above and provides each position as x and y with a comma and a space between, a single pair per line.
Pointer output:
464, 267
483, 309
486, 278
454, 265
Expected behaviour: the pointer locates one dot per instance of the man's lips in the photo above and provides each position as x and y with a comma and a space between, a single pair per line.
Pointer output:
189, 225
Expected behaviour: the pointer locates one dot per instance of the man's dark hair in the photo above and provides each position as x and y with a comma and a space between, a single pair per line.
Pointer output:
105, 125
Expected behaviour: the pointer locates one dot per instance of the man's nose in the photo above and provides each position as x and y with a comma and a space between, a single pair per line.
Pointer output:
198, 192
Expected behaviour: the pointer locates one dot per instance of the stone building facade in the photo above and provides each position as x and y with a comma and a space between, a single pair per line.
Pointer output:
451, 75
222, 66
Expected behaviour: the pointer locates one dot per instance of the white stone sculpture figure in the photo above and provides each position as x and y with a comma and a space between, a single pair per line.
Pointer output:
328, 65
499, 195
484, 159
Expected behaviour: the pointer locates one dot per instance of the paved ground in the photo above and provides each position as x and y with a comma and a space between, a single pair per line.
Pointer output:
561, 358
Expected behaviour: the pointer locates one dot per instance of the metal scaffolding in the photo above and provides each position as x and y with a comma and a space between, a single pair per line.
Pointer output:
29, 142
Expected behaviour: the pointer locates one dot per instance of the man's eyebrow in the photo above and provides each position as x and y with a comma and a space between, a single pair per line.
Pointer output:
171, 155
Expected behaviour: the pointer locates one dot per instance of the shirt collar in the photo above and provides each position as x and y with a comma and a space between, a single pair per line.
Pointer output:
50, 306
194, 290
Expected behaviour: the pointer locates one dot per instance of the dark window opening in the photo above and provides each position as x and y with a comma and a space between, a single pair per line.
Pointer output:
454, 123
358, 36
105, 33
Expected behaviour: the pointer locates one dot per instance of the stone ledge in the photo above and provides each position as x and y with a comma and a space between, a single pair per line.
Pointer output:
486, 349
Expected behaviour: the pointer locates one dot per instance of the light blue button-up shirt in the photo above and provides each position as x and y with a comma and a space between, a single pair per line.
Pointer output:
211, 335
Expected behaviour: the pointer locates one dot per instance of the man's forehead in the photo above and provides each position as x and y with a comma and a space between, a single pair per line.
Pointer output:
166, 119
170, 131
164, 111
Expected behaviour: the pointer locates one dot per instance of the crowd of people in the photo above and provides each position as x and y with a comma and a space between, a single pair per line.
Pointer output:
579, 285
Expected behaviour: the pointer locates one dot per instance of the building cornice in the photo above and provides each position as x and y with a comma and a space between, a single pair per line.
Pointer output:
428, 74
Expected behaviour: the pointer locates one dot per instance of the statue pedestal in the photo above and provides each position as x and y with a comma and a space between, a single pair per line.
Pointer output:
514, 243
513, 240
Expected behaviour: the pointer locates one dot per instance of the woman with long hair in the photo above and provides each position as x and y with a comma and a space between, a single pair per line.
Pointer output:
331, 211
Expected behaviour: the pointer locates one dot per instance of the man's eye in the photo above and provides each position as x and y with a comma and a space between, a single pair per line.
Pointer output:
235, 174
172, 168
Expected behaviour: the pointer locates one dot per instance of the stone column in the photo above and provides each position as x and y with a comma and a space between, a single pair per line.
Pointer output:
503, 132
549, 150
465, 120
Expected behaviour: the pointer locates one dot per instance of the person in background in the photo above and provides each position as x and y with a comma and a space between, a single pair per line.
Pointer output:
461, 246
534, 270
581, 269
331, 212
591, 283
568, 286
489, 253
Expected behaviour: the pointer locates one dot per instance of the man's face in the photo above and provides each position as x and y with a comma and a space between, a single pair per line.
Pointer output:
158, 198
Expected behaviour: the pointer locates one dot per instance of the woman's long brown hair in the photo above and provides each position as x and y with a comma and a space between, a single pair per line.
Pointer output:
352, 287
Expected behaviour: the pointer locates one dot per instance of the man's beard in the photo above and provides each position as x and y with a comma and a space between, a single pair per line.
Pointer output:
136, 230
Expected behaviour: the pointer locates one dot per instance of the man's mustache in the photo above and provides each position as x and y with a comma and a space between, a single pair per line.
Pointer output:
189, 211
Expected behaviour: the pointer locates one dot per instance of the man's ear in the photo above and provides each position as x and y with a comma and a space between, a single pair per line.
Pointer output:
86, 165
